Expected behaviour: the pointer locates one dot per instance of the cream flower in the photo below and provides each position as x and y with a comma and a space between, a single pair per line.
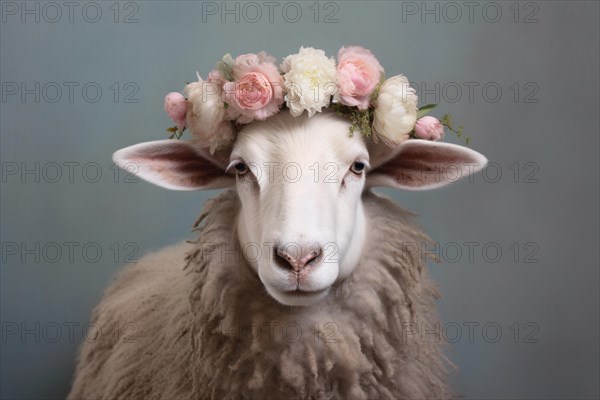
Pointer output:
396, 111
310, 80
206, 114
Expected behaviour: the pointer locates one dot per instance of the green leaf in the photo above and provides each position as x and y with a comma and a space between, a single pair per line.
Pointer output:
228, 59
424, 110
225, 67
375, 94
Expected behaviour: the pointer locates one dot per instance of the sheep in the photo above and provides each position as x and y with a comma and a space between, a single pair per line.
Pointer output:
236, 314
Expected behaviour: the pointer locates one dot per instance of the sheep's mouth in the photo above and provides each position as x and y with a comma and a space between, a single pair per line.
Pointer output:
298, 297
300, 292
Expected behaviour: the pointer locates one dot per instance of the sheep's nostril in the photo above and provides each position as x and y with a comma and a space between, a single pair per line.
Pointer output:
295, 260
281, 260
310, 257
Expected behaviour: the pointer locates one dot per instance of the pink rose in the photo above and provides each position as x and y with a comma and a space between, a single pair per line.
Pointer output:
176, 108
252, 92
257, 90
359, 72
429, 128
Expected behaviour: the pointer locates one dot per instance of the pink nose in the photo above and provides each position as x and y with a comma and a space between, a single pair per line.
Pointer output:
297, 257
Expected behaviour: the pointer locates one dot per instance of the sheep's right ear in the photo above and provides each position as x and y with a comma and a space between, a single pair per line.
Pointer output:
175, 165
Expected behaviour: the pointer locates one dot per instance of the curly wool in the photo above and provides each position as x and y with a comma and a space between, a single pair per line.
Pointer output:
207, 329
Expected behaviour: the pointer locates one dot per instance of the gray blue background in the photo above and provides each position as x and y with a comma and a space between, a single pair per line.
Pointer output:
544, 125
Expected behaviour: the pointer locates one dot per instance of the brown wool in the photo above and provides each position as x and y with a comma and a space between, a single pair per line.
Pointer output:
197, 324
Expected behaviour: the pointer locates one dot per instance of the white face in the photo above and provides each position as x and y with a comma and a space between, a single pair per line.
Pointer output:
301, 224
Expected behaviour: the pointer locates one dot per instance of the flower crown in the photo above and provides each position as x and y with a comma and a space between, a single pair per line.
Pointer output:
252, 88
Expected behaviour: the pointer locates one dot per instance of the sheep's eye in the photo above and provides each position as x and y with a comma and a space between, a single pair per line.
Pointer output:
358, 167
241, 168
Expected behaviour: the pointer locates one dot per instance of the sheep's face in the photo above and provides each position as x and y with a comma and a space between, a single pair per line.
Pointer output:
301, 224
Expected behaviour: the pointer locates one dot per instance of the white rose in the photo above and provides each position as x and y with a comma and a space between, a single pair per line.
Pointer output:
206, 115
310, 80
396, 110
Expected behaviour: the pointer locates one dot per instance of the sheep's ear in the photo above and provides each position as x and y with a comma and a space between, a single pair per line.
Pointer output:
421, 165
174, 164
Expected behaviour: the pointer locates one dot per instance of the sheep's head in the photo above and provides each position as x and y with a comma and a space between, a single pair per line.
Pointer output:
301, 224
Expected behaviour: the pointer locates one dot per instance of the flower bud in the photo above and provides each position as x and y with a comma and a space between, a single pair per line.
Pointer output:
429, 128
176, 108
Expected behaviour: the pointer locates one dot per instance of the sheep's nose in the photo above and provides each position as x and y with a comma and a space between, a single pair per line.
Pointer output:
296, 257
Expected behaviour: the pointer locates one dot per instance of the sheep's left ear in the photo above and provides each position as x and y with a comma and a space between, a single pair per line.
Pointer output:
421, 164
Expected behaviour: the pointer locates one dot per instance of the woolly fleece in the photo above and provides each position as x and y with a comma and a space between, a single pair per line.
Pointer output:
200, 325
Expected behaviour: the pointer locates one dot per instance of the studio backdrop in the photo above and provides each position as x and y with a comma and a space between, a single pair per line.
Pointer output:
517, 243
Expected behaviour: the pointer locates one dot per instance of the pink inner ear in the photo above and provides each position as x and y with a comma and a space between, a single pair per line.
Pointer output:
174, 165
182, 168
426, 165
